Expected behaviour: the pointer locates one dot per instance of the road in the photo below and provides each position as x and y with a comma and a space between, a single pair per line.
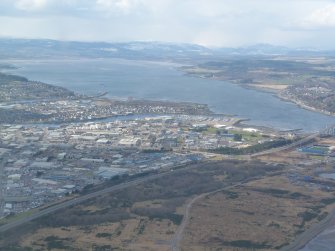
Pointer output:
175, 242
83, 198
2, 187
300, 242
287, 147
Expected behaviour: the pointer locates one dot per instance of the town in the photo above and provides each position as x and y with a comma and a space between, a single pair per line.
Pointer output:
41, 163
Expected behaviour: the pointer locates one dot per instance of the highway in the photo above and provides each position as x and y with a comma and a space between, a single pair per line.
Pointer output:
300, 242
295, 144
83, 198
80, 199
2, 187
287, 147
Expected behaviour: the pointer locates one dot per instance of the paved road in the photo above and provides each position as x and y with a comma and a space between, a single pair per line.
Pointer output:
310, 234
287, 147
77, 200
2, 185
83, 198
298, 244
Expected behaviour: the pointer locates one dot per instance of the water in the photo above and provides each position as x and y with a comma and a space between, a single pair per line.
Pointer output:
323, 242
328, 175
161, 81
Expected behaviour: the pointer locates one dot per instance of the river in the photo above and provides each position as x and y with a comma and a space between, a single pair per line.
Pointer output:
161, 81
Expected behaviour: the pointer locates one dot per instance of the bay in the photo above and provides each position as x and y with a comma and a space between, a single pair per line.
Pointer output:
162, 81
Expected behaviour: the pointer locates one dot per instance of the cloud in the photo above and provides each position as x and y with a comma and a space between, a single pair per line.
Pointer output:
320, 18
209, 22
124, 6
324, 16
31, 5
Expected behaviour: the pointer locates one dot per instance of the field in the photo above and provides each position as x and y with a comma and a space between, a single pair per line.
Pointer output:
264, 214
144, 217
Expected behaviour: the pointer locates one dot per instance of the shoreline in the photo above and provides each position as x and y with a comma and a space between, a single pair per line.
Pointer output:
239, 121
277, 124
276, 93
178, 67
304, 106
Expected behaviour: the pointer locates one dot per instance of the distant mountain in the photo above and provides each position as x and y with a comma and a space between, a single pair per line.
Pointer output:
44, 48
27, 48
272, 50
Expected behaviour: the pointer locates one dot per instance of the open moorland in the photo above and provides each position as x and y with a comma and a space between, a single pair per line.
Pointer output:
266, 199
143, 217
264, 214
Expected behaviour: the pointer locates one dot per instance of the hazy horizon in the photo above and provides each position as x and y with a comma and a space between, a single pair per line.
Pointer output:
212, 23
163, 42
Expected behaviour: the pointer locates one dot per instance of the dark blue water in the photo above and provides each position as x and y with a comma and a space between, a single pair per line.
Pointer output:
158, 81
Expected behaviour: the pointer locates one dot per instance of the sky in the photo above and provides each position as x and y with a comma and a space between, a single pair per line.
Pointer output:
213, 23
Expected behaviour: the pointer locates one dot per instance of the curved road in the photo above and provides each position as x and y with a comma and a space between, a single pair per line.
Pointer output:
177, 238
300, 242
175, 242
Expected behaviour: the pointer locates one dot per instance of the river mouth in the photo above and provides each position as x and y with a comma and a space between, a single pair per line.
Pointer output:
163, 81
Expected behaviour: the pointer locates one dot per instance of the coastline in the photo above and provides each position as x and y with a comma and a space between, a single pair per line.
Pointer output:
181, 103
241, 102
276, 93
304, 106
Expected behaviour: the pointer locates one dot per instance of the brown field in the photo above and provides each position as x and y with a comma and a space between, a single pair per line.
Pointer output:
260, 215
327, 141
291, 157
270, 86
133, 234
143, 217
